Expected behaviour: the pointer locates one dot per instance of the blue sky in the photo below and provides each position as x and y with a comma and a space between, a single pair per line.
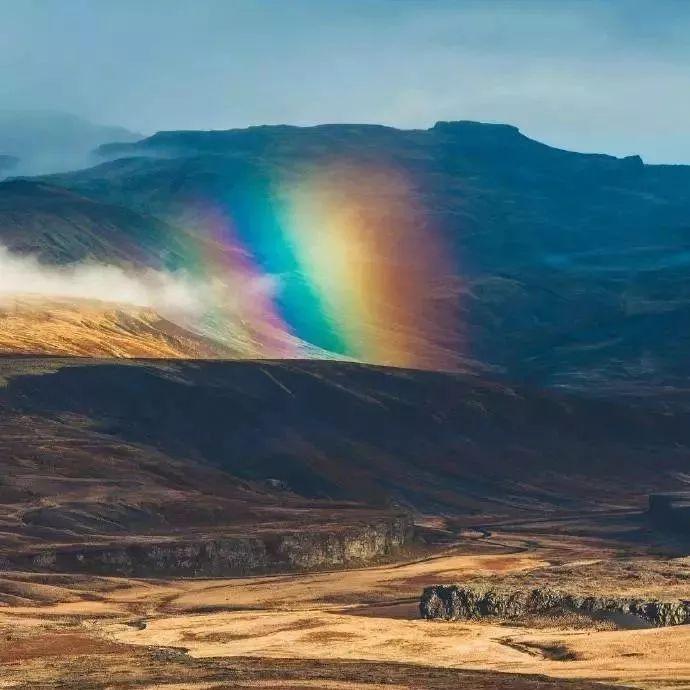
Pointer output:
590, 75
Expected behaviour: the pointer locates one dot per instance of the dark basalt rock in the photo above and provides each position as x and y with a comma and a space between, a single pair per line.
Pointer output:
454, 602
235, 555
670, 510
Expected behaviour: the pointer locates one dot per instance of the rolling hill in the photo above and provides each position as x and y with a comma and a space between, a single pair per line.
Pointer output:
124, 466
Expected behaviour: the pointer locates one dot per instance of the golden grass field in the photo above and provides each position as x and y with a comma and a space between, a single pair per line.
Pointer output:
69, 327
345, 629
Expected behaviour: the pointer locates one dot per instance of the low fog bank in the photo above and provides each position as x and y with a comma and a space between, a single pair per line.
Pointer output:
235, 296
169, 293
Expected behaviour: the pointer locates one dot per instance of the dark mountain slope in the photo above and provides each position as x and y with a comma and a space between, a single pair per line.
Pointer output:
573, 267
58, 226
345, 431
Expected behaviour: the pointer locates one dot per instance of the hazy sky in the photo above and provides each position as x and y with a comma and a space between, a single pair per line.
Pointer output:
590, 75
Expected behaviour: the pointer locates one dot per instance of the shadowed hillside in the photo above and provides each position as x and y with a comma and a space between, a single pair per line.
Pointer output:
159, 447
570, 269
60, 227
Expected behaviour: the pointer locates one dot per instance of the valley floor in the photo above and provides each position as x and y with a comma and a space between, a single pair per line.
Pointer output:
337, 630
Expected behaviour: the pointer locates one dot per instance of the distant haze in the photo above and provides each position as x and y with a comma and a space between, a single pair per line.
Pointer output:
40, 142
591, 75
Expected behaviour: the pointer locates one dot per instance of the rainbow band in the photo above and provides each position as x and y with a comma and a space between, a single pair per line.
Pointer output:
354, 263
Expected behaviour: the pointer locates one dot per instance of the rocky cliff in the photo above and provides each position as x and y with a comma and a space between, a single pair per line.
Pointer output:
454, 602
233, 555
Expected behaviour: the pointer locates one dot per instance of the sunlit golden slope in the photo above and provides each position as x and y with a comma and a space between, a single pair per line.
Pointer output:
57, 326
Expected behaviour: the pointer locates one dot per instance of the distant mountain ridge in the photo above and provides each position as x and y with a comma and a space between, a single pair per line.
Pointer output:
44, 141
573, 266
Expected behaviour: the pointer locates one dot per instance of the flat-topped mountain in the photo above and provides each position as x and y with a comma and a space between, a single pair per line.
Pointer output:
559, 268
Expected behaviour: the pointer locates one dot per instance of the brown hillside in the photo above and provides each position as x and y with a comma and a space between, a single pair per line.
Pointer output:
91, 328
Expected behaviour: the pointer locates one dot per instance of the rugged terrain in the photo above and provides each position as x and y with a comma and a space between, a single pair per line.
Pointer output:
462, 602
566, 269
192, 467
79, 495
184, 523
182, 471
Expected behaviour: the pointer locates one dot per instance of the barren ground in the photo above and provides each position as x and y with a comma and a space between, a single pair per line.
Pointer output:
349, 629
544, 489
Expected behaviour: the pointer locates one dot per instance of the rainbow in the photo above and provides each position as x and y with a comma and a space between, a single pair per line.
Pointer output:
340, 256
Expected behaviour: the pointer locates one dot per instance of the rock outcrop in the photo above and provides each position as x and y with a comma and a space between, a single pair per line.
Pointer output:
454, 602
234, 555
670, 510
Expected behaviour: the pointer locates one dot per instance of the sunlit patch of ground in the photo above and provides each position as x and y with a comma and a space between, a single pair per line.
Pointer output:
331, 630
90, 328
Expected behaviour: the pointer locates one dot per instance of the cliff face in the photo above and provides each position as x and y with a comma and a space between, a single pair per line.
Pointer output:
240, 555
370, 542
453, 602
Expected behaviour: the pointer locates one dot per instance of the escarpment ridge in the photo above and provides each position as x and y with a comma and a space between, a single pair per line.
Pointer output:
457, 602
255, 551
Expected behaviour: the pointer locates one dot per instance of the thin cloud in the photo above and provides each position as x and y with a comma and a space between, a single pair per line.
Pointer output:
165, 292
